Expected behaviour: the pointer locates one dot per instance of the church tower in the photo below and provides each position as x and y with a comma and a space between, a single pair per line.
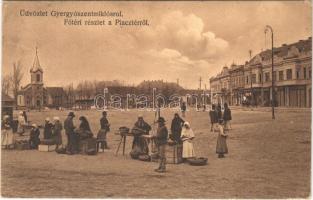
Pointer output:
37, 89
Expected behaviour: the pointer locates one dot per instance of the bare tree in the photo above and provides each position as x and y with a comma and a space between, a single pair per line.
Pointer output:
6, 84
16, 78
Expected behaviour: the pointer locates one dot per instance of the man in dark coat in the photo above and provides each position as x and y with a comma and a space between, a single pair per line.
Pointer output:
213, 117
219, 111
227, 116
176, 128
47, 133
161, 141
72, 146
34, 140
183, 109
102, 134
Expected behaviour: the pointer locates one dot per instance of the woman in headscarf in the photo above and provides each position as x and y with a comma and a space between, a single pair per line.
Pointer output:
7, 137
84, 130
176, 128
47, 133
57, 132
34, 140
21, 123
187, 135
221, 145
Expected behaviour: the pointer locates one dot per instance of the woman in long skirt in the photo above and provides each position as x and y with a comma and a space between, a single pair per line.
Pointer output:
7, 137
57, 132
187, 136
221, 145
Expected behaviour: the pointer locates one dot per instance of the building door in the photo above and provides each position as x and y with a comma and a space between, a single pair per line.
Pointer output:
38, 104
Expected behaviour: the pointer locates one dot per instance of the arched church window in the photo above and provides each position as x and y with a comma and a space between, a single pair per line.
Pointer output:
38, 77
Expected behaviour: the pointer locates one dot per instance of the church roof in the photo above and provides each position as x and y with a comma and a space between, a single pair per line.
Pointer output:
36, 65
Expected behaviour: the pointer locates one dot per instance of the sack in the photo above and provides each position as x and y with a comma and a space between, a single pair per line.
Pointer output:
198, 161
61, 151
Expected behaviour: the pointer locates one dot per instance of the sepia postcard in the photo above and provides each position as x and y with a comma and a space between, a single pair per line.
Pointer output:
156, 99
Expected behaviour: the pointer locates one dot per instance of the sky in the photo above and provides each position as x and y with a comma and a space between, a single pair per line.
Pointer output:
184, 40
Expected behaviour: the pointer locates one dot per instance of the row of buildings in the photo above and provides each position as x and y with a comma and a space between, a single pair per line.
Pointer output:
251, 83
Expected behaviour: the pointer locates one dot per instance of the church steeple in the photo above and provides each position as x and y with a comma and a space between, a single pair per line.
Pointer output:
36, 65
36, 71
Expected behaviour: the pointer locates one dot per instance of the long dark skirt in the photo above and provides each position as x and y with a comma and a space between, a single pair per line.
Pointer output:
221, 145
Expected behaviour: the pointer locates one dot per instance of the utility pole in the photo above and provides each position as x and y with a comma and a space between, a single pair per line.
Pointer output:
251, 89
200, 80
267, 28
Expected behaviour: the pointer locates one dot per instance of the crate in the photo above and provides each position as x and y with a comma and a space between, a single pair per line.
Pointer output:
46, 148
22, 146
173, 154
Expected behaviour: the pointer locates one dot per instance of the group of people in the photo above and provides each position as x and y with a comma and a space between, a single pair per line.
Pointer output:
181, 133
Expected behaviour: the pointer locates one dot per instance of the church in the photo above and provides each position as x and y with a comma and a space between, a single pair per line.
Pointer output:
35, 95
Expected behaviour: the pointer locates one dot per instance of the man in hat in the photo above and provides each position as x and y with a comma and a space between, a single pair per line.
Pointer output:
102, 134
161, 141
71, 136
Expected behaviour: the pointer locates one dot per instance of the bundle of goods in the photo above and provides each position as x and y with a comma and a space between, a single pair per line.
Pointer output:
88, 146
198, 161
84, 134
137, 131
22, 145
47, 141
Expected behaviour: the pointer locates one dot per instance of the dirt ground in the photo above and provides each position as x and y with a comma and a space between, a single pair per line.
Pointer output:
267, 159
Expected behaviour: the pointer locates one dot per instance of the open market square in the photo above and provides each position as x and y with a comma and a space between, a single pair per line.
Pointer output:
267, 159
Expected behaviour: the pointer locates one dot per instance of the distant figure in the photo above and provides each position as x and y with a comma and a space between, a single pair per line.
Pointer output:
227, 117
187, 136
219, 111
176, 128
213, 118
7, 137
221, 145
34, 140
47, 133
104, 129
161, 141
57, 132
21, 123
183, 109
72, 146
25, 117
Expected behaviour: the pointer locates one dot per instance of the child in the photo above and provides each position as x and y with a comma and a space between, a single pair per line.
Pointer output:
221, 146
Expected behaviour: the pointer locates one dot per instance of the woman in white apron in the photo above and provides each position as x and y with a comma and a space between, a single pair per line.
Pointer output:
187, 135
7, 137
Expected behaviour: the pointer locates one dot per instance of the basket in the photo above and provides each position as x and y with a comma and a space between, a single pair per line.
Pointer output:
137, 132
144, 157
198, 161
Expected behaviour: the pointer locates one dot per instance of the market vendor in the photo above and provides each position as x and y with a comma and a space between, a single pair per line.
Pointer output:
139, 144
47, 133
34, 140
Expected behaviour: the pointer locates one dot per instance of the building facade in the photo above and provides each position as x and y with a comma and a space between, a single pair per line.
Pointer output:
220, 87
251, 83
35, 96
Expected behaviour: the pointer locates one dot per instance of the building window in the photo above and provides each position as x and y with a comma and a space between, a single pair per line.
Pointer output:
304, 72
38, 77
247, 79
298, 73
289, 74
281, 75
260, 78
253, 78
267, 77
274, 75
310, 74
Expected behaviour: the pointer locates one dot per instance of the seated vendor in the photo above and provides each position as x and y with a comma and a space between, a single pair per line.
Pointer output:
34, 140
84, 130
139, 143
